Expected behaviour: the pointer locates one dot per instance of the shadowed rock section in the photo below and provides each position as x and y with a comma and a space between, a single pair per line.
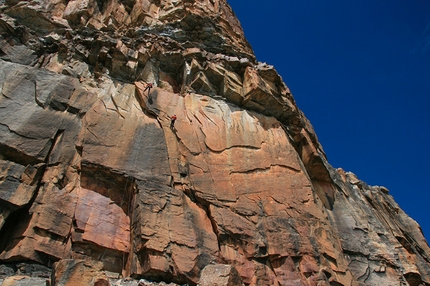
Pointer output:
91, 170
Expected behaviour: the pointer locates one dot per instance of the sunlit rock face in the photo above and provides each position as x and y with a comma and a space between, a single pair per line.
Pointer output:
91, 168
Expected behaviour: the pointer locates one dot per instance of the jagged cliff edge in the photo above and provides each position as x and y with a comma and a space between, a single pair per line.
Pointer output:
91, 170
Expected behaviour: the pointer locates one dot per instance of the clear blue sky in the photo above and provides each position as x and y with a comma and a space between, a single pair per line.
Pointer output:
360, 71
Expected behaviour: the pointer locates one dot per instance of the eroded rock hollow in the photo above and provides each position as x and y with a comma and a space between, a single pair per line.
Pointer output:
91, 168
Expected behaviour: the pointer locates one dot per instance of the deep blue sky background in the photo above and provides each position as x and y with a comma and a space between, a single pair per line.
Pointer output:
360, 71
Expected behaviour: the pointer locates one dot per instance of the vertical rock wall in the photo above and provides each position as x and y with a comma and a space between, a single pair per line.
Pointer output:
90, 168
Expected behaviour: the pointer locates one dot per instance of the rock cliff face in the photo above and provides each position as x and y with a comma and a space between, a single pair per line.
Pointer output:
90, 168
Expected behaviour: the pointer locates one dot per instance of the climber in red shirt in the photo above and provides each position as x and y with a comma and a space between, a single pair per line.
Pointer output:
172, 121
148, 87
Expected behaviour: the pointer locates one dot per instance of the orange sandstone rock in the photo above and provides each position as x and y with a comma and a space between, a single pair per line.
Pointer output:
92, 172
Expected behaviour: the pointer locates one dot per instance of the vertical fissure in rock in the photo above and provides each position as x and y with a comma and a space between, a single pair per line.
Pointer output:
54, 142
21, 215
205, 206
131, 191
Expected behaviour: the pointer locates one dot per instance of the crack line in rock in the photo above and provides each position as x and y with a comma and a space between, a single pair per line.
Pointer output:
257, 170
15, 132
116, 106
204, 115
233, 146
6, 96
92, 133
38, 102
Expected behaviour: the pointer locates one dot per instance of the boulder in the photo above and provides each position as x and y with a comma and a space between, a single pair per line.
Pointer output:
220, 275
78, 273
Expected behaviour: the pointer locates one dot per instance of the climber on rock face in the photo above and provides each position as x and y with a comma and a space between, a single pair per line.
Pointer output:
148, 87
172, 122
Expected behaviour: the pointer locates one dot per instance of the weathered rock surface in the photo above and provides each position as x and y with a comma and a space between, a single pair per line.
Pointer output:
220, 275
91, 170
79, 273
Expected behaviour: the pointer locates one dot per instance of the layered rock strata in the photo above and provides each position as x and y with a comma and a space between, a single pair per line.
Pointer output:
92, 170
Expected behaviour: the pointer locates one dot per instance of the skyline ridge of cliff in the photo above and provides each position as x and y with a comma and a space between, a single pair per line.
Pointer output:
359, 71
